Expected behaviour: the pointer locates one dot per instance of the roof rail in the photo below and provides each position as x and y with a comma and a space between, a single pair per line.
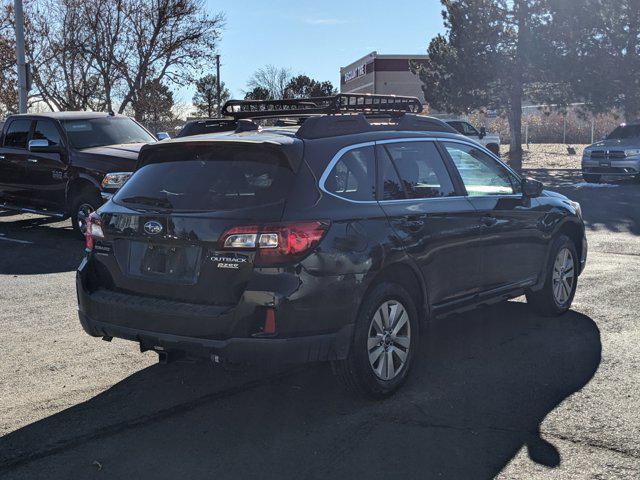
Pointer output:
343, 103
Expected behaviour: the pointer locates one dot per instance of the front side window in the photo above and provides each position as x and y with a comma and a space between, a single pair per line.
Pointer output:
17, 134
46, 130
99, 132
353, 177
480, 173
421, 169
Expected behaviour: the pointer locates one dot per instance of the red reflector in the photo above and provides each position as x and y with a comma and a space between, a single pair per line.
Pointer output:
270, 321
93, 227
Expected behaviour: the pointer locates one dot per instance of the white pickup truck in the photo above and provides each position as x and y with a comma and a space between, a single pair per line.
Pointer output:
491, 141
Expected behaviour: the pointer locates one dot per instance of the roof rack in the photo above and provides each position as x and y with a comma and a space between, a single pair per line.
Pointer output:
343, 103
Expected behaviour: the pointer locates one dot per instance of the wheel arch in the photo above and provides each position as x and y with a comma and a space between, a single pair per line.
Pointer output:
79, 184
573, 230
409, 277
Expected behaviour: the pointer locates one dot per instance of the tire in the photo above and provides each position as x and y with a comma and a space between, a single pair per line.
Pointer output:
495, 149
356, 372
591, 178
556, 297
84, 202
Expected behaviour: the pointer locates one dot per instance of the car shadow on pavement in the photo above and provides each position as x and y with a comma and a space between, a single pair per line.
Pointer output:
482, 385
34, 245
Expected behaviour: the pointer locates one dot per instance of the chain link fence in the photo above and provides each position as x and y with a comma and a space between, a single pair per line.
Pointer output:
540, 126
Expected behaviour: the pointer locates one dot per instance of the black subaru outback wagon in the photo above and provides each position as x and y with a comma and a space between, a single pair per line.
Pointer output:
331, 241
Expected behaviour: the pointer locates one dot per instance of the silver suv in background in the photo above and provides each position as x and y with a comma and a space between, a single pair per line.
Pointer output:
615, 157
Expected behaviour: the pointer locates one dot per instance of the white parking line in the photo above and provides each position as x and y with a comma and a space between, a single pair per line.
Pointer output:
2, 237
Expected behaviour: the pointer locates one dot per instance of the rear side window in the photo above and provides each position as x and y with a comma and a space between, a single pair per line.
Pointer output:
17, 134
421, 170
480, 173
206, 178
353, 176
46, 130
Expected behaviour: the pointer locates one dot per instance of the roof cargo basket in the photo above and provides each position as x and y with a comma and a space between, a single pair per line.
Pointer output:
337, 125
343, 103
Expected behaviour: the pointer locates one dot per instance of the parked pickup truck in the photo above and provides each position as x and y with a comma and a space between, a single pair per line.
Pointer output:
490, 141
65, 164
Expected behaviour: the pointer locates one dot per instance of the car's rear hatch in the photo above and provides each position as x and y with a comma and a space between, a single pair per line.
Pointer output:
162, 230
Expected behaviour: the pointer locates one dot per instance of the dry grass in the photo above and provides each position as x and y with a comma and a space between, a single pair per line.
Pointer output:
549, 156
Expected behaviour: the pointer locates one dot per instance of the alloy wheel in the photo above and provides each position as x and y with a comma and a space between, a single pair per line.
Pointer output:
563, 276
389, 340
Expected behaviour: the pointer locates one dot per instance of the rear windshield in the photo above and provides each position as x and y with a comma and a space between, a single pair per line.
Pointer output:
625, 131
185, 178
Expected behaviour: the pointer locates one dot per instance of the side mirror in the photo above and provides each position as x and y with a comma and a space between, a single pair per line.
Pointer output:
162, 136
483, 132
531, 188
42, 146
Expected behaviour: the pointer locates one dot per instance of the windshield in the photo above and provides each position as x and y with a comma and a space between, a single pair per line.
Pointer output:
99, 132
625, 131
206, 179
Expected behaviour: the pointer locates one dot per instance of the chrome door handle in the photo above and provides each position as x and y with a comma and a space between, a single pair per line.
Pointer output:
32, 160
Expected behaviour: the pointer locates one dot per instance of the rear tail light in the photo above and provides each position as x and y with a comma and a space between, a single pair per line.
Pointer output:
94, 230
276, 244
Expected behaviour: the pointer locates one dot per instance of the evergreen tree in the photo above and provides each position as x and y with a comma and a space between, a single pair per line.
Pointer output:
494, 55
206, 97
304, 87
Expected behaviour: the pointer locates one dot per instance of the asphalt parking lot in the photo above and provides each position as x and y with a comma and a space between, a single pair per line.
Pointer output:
495, 392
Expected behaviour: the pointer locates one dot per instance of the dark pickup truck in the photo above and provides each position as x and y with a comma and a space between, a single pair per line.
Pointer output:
65, 164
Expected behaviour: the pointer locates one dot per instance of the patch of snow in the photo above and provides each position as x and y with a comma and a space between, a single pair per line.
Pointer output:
589, 185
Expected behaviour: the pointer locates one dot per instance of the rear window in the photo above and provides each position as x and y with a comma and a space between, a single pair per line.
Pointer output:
353, 177
209, 178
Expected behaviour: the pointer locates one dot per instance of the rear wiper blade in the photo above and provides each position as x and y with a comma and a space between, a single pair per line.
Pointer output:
153, 201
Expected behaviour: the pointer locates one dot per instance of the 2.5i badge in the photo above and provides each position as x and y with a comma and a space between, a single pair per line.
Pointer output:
228, 260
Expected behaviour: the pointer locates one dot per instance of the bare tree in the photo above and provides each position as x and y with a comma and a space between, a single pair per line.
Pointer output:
105, 22
8, 77
167, 40
271, 79
105, 54
62, 70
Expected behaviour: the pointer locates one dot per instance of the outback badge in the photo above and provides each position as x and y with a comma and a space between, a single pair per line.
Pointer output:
232, 261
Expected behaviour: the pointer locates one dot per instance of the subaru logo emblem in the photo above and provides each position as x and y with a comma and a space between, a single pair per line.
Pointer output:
152, 227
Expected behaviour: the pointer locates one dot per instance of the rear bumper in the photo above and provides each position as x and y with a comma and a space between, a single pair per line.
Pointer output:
314, 348
164, 325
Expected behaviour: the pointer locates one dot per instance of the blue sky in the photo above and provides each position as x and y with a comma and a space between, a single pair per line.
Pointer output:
316, 37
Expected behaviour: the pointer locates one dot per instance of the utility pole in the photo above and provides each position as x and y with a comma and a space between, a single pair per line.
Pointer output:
218, 93
22, 66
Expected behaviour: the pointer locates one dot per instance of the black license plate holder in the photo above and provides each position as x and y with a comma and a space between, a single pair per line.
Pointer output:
164, 262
